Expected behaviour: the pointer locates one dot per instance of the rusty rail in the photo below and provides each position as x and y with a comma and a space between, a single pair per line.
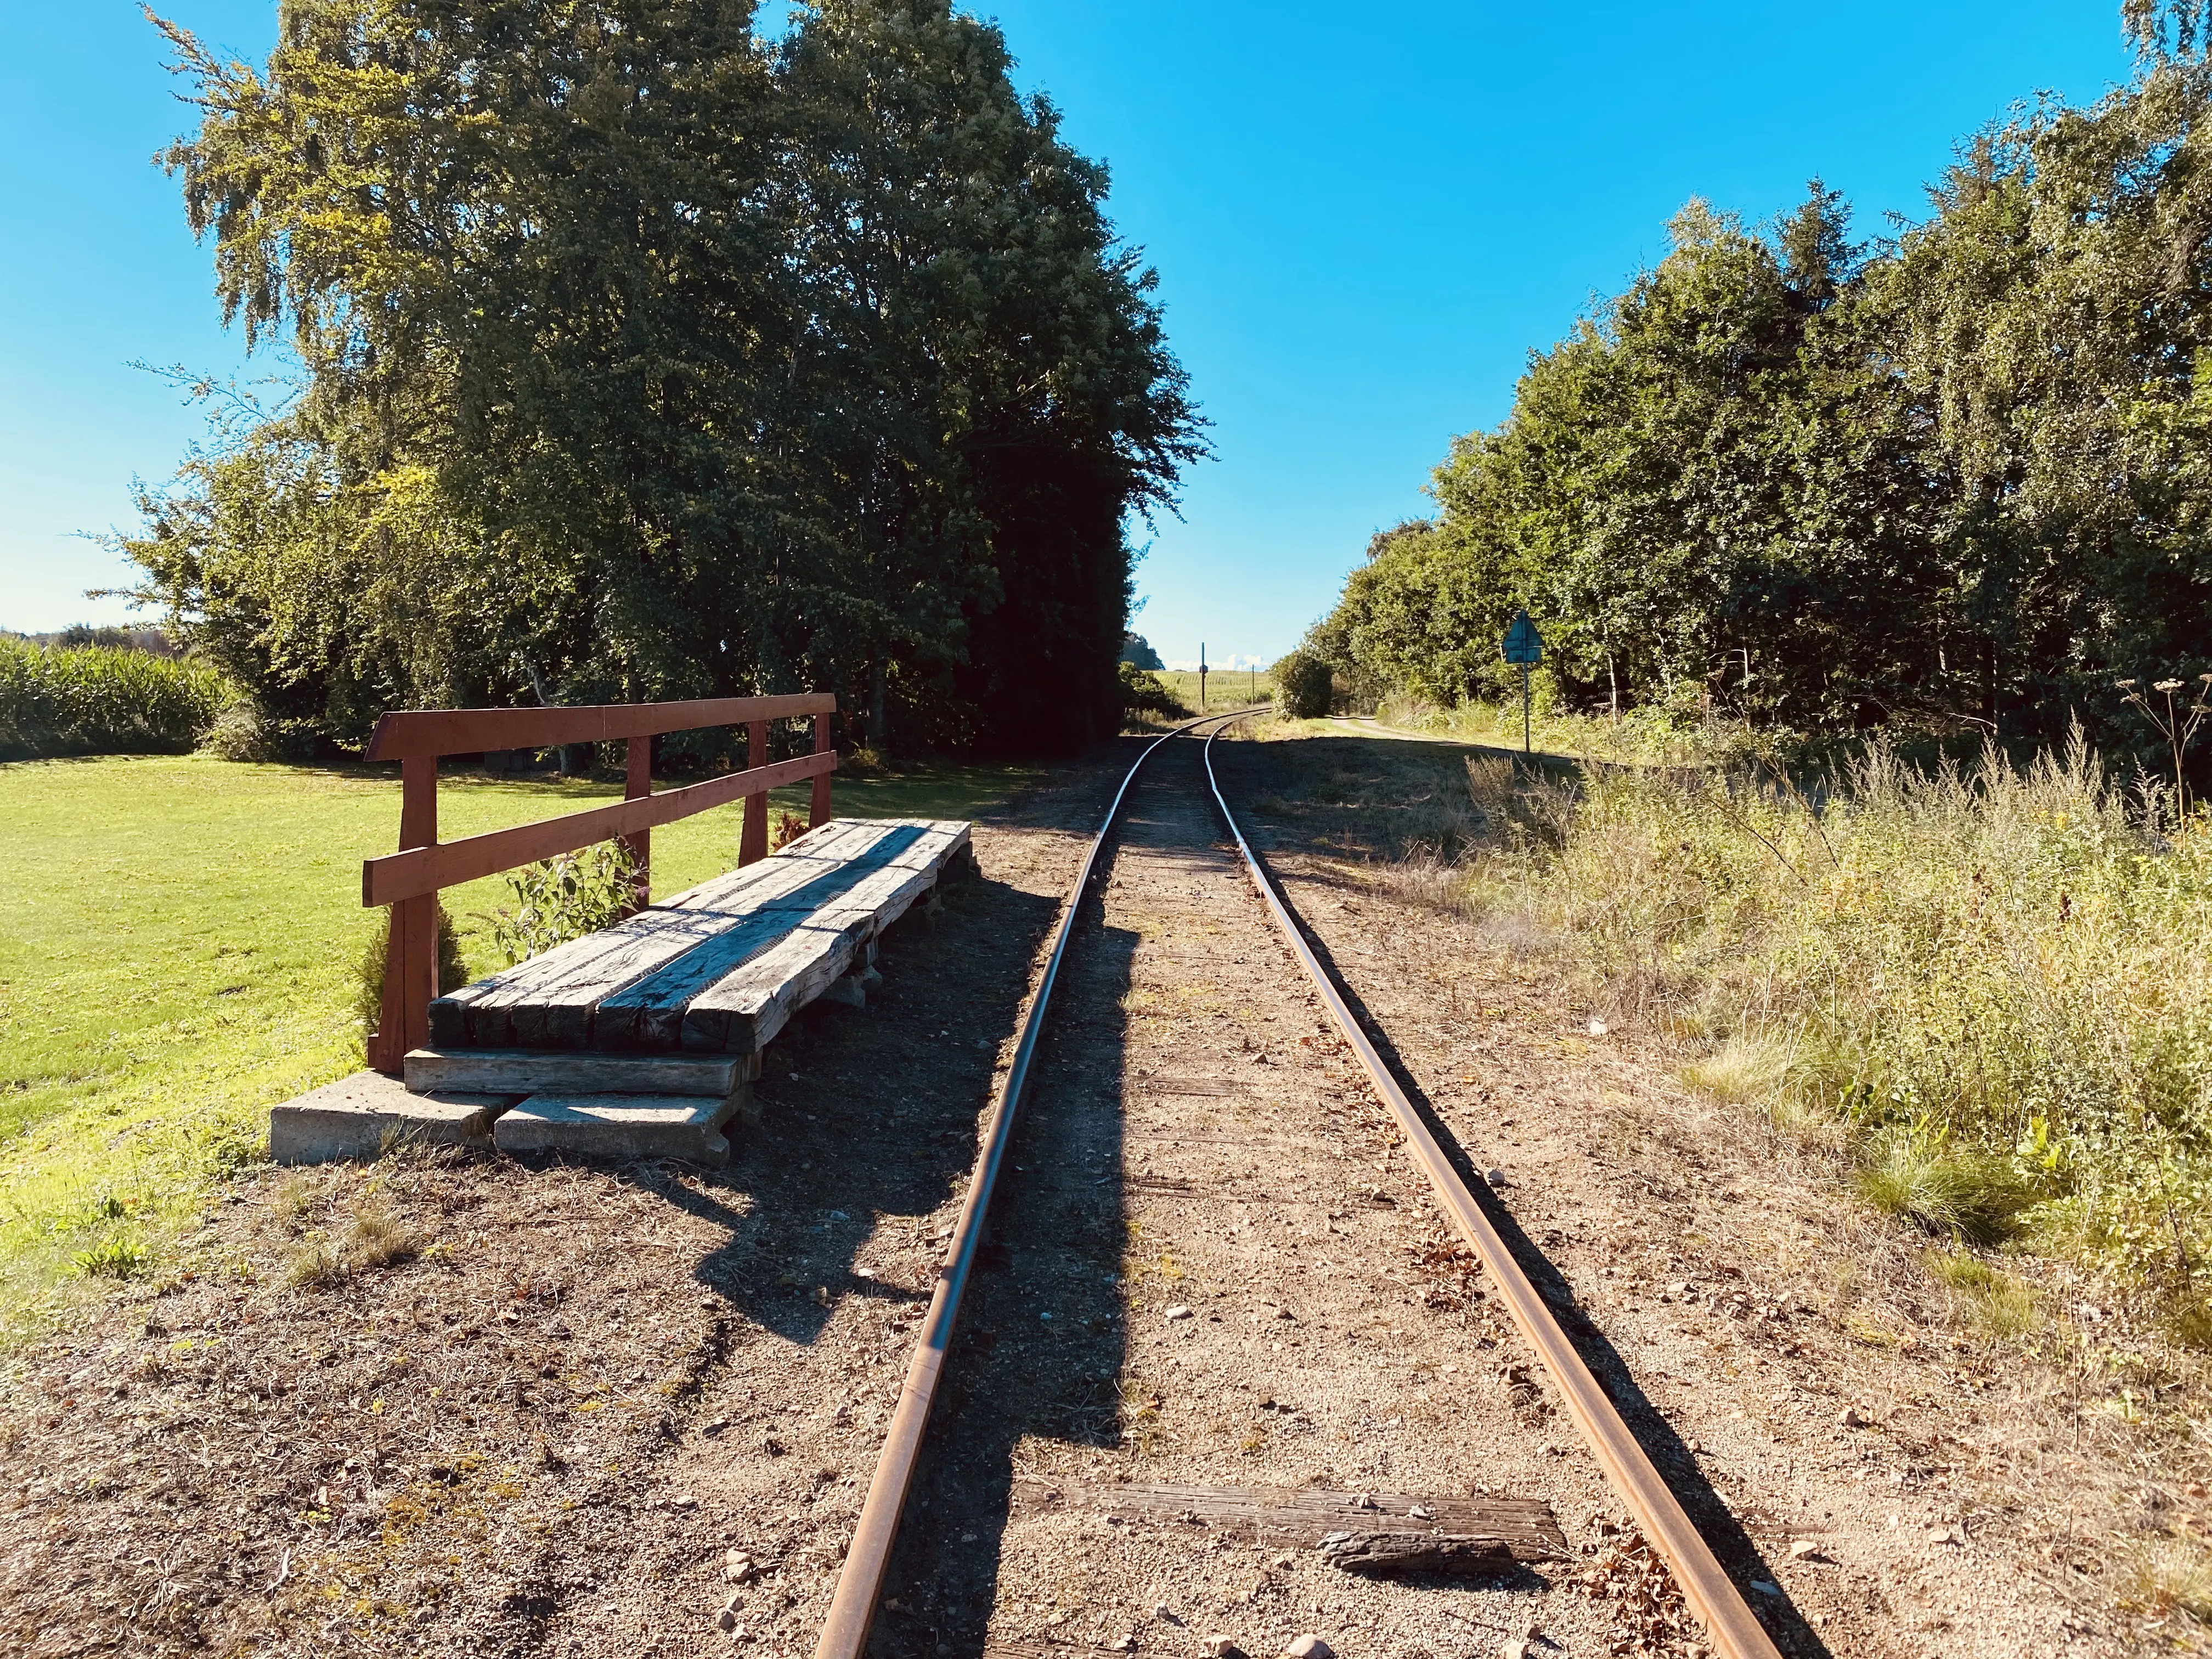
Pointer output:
867, 1557
409, 879
1729, 1620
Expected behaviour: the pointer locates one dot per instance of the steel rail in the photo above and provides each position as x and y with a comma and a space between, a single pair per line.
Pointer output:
867, 1556
1729, 1620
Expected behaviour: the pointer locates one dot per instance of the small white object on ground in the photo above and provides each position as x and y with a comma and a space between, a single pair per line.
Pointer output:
1178, 1312
1222, 1647
1309, 1647
1597, 1028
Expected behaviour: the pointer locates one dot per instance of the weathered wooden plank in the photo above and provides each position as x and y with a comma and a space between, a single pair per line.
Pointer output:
829, 914
758, 944
1414, 1551
567, 981
510, 1009
523, 1071
748, 1006
743, 1012
1524, 1528
771, 883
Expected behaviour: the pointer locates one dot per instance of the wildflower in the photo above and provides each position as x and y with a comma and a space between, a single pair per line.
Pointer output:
2167, 686
2125, 685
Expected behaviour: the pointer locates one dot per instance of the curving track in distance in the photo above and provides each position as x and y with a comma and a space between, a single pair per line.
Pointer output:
1731, 1626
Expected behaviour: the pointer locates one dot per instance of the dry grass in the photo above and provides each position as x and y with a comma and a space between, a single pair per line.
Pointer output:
378, 1237
316, 1265
1942, 1190
2174, 1576
1999, 1304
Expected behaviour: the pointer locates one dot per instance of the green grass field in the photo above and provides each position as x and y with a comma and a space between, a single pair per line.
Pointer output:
1225, 687
180, 951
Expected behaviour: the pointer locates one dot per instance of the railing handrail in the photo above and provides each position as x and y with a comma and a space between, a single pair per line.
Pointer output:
422, 870
420, 733
409, 879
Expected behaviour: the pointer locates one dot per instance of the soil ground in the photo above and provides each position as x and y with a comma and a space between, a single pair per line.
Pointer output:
489, 1407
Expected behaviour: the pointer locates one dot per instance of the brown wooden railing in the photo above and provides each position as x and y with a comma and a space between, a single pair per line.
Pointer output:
409, 880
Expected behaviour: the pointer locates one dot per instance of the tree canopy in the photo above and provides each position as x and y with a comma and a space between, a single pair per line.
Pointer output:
1954, 479
646, 358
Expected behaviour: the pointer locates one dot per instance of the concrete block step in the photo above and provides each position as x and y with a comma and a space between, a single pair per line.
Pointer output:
368, 1114
578, 1072
619, 1126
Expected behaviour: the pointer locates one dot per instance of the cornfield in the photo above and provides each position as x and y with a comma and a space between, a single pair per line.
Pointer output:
96, 700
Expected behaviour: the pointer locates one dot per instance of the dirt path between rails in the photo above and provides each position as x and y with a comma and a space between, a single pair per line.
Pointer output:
1952, 1489
1214, 1273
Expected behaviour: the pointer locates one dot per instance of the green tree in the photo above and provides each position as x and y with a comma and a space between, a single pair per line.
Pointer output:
652, 361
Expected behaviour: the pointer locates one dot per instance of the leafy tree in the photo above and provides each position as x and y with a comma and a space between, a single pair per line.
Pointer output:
645, 360
1137, 652
1957, 482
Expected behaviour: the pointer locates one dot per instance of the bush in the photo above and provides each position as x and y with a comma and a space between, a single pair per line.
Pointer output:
97, 699
1146, 693
368, 973
564, 898
1304, 687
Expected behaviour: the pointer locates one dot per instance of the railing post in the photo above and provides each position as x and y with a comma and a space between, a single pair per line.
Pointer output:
817, 810
410, 960
752, 841
637, 784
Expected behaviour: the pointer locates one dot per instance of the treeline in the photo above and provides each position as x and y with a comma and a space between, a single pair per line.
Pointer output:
645, 358
1956, 480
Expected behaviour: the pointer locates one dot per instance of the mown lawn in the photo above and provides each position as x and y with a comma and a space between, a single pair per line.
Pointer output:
179, 942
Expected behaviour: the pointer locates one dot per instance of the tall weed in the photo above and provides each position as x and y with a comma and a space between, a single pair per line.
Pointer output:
562, 898
1991, 977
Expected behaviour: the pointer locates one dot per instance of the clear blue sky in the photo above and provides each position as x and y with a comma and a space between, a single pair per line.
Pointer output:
1363, 218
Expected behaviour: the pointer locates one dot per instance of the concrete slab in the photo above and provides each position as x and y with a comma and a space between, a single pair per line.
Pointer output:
687, 1127
366, 1113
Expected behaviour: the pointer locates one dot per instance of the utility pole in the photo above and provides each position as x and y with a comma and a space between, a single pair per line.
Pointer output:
1201, 676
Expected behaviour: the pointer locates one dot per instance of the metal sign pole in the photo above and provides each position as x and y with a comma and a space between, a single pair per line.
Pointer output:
1524, 644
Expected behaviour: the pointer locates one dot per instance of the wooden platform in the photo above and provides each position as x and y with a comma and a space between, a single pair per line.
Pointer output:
644, 1040
720, 969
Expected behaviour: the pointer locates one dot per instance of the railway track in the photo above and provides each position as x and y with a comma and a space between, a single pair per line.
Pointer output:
1223, 1312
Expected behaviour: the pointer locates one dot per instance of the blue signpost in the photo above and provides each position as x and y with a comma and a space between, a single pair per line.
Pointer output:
1524, 644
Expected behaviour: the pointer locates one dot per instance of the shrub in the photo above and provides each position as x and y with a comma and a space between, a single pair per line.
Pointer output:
98, 700
368, 973
1146, 693
564, 898
1304, 687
